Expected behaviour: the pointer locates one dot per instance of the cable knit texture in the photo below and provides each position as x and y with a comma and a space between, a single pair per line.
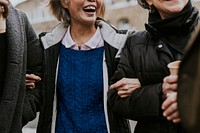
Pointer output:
80, 92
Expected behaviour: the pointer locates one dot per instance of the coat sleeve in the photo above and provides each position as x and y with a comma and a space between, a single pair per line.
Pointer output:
33, 97
145, 102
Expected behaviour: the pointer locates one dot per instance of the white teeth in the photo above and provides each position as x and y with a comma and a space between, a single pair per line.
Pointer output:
90, 8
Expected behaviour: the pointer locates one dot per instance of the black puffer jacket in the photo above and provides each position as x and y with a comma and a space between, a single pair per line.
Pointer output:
145, 57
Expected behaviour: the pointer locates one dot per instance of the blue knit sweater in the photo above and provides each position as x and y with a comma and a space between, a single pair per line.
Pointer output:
80, 92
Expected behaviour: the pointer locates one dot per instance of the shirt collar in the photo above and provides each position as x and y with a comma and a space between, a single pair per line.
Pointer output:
92, 43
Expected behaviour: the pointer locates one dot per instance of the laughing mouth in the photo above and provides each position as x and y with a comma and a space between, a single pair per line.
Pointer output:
90, 9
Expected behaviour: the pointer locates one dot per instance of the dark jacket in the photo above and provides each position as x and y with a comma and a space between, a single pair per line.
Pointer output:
189, 85
18, 105
145, 56
113, 42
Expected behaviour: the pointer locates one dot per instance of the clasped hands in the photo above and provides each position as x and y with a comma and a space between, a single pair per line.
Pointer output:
170, 105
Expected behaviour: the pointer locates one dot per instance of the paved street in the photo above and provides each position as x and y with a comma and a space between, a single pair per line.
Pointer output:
28, 130
31, 126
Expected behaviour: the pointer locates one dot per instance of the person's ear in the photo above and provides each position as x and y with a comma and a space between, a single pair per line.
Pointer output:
64, 3
149, 2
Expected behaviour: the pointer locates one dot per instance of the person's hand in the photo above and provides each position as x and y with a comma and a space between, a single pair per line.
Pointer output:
4, 7
169, 84
126, 86
31, 79
170, 108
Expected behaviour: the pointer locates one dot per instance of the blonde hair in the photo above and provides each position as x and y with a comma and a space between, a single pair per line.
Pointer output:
102, 11
61, 13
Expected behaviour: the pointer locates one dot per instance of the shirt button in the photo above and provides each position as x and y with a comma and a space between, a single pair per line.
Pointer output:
160, 46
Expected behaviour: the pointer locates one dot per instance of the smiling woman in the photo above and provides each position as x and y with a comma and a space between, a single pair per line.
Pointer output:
76, 83
145, 56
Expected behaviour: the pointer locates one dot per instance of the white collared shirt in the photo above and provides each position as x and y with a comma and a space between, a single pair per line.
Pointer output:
95, 42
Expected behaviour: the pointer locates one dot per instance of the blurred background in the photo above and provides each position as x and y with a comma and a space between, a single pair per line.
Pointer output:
122, 14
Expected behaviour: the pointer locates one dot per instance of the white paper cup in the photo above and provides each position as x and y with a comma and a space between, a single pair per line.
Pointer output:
173, 67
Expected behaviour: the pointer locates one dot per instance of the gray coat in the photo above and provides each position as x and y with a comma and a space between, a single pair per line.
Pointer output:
18, 105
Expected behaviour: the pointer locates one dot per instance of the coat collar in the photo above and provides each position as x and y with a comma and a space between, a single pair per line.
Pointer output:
109, 33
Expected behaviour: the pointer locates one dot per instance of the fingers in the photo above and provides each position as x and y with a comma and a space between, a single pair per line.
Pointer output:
171, 79
177, 120
174, 117
30, 85
127, 90
170, 110
32, 77
169, 83
4, 2
169, 87
4, 7
171, 98
118, 84
126, 86
125, 81
170, 107
172, 114
124, 95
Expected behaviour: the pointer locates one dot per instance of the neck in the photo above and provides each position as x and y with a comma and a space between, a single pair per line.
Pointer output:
82, 33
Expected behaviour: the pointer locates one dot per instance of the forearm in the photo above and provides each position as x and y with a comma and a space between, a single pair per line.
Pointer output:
144, 103
32, 103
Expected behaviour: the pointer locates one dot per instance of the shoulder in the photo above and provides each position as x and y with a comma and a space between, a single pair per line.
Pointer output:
105, 26
139, 38
16, 11
49, 39
114, 37
17, 15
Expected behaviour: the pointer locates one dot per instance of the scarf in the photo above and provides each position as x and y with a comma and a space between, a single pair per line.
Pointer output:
177, 29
